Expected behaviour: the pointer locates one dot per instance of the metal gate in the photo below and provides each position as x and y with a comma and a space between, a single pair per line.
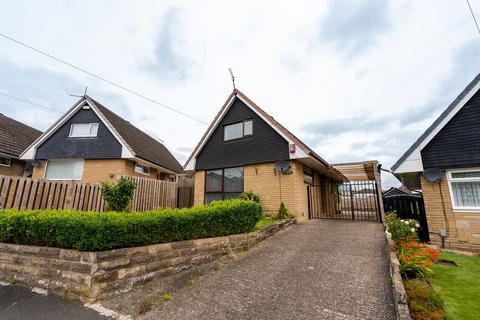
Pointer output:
409, 207
357, 200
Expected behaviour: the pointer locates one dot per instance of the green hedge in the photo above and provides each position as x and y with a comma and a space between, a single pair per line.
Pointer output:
96, 231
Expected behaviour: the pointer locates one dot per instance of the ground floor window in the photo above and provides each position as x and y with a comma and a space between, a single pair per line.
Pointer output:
221, 184
465, 189
64, 169
5, 162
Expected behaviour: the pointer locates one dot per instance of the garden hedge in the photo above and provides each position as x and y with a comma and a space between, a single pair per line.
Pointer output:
96, 231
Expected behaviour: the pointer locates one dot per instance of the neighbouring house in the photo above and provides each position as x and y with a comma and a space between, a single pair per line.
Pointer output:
444, 163
401, 191
245, 149
92, 144
14, 138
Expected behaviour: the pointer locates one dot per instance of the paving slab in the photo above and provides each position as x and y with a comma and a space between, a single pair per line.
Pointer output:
322, 269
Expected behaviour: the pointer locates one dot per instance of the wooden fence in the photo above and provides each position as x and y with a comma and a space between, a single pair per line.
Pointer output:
26, 193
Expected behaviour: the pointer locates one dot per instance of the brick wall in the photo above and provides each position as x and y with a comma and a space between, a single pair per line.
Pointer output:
92, 275
463, 228
15, 169
265, 181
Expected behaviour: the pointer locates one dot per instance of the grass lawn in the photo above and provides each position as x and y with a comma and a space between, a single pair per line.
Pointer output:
265, 222
458, 287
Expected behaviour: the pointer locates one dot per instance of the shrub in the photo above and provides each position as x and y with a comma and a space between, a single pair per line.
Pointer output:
415, 258
250, 195
118, 196
96, 231
283, 212
401, 229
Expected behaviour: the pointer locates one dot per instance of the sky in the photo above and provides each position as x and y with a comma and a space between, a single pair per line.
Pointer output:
354, 79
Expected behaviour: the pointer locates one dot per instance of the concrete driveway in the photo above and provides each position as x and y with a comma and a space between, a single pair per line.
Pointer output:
322, 269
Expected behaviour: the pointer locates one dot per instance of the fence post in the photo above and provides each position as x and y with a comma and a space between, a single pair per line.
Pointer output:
69, 195
351, 201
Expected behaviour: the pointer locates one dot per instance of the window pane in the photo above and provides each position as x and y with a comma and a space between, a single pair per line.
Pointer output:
466, 194
233, 131
233, 180
248, 127
80, 130
209, 197
5, 162
213, 181
93, 129
64, 169
472, 174
231, 195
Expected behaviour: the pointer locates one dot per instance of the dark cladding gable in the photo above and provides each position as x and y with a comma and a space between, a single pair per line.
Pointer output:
437, 122
457, 145
265, 145
60, 145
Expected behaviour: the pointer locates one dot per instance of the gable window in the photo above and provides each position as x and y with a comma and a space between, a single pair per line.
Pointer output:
81, 130
238, 130
142, 169
5, 162
223, 184
465, 189
64, 169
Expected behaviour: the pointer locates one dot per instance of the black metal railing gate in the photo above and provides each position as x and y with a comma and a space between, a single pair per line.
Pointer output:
357, 200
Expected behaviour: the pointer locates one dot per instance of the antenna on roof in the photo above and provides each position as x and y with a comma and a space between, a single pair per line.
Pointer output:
84, 93
233, 78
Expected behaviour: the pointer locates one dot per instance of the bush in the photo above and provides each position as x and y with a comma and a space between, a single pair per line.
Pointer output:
118, 196
283, 212
415, 258
250, 195
96, 231
401, 229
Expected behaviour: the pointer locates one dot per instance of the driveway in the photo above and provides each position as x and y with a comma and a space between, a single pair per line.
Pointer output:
20, 303
322, 269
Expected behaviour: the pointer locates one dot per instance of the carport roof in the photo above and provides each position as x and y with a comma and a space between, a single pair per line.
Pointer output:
359, 171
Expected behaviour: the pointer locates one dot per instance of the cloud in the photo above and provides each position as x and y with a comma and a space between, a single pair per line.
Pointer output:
354, 25
170, 61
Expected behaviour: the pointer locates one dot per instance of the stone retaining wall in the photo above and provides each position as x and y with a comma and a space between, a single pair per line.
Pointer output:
92, 275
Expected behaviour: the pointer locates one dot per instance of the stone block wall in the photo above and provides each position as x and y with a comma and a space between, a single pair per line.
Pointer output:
93, 275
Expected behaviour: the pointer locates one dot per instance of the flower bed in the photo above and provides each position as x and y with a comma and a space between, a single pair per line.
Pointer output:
97, 231
416, 261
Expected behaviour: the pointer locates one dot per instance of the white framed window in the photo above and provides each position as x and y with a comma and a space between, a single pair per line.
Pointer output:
81, 130
464, 188
142, 169
238, 130
5, 162
64, 169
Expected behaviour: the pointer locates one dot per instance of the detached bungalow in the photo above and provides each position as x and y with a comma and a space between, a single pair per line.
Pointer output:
444, 163
14, 138
93, 144
245, 149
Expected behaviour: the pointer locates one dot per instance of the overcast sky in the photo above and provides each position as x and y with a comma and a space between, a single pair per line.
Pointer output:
355, 79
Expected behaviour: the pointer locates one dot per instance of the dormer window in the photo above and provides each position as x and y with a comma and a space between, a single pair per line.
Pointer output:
238, 130
83, 130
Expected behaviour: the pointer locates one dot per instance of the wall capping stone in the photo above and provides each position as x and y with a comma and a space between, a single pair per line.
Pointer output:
89, 276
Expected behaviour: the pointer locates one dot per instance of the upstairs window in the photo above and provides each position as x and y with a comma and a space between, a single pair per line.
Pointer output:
238, 130
82, 130
223, 184
465, 189
142, 169
5, 162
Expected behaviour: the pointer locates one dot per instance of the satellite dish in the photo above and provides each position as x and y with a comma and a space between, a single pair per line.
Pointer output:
433, 175
283, 166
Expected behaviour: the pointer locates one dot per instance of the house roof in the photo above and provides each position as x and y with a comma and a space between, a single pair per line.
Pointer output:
441, 121
135, 143
307, 151
15, 136
143, 145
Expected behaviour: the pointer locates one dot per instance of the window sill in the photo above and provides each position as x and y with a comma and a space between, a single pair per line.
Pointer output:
477, 210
